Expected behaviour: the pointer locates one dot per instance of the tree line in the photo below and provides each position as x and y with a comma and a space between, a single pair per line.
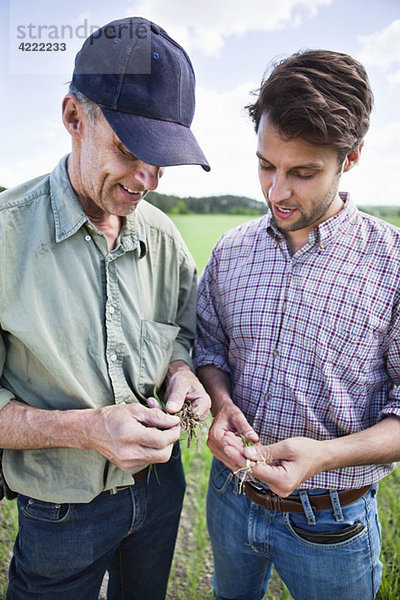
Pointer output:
233, 205
382, 212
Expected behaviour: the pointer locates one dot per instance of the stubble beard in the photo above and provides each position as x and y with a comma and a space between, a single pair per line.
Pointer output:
319, 210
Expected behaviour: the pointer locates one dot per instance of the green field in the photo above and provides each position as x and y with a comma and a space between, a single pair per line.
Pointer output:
201, 232
394, 221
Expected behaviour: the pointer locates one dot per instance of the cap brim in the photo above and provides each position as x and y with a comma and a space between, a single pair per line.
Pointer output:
160, 143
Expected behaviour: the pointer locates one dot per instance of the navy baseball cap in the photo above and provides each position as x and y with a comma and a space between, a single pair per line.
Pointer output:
144, 83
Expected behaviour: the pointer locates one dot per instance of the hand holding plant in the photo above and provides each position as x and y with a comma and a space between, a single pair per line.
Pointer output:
190, 420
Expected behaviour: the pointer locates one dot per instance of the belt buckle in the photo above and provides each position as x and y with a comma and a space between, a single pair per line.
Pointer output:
257, 487
271, 501
117, 489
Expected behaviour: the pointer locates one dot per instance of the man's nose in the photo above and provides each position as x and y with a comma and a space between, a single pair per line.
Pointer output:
148, 175
279, 188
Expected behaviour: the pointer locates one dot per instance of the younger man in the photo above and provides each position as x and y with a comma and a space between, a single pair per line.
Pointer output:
298, 346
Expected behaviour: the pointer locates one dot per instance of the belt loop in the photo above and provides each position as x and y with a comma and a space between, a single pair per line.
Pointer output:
307, 507
237, 484
337, 509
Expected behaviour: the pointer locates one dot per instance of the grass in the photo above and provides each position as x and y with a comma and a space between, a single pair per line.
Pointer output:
8, 531
389, 515
201, 232
192, 567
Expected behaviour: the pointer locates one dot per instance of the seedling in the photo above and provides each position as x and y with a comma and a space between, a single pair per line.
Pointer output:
190, 420
244, 473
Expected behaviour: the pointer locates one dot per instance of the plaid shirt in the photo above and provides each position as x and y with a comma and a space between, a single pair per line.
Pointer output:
311, 341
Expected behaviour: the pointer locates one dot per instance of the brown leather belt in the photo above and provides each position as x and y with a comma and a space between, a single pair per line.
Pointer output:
293, 504
136, 477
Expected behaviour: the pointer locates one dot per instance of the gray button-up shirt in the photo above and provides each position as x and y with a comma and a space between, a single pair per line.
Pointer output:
82, 326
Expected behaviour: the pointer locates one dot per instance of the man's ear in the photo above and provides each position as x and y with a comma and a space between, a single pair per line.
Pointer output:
72, 115
352, 158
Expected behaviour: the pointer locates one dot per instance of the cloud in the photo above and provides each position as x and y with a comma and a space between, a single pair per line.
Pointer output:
205, 25
382, 49
226, 135
377, 178
29, 168
44, 147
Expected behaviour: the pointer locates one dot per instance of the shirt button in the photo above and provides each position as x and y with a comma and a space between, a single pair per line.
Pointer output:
322, 246
284, 307
111, 310
266, 398
128, 245
87, 238
276, 353
113, 357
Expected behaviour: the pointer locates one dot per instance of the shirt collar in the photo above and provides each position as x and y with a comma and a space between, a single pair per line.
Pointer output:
69, 215
67, 210
326, 231
133, 233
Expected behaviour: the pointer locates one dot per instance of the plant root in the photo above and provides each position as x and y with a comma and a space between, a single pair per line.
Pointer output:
190, 422
244, 473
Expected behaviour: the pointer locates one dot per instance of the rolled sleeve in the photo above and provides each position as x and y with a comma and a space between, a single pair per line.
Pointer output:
5, 397
392, 407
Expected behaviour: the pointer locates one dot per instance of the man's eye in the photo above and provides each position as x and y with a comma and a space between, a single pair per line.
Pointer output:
125, 152
305, 175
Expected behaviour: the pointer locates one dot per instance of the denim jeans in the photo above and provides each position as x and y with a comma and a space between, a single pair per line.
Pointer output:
247, 540
63, 550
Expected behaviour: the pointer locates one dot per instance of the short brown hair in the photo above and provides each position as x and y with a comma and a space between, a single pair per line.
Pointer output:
320, 96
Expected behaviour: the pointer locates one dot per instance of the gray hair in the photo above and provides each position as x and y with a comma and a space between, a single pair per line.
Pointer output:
92, 110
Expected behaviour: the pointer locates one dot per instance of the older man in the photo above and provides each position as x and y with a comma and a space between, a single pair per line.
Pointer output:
97, 309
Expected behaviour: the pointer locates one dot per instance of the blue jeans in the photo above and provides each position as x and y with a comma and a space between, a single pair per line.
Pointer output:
247, 540
63, 550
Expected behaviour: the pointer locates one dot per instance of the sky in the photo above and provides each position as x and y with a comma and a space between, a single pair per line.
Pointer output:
231, 43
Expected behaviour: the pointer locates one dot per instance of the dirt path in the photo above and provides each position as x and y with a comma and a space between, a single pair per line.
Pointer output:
192, 546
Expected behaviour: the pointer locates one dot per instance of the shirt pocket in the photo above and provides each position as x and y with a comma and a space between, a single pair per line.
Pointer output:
354, 350
156, 344
344, 330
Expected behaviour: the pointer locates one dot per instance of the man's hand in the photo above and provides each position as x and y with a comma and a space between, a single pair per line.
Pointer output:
128, 435
223, 440
286, 464
131, 435
182, 384
294, 460
228, 419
